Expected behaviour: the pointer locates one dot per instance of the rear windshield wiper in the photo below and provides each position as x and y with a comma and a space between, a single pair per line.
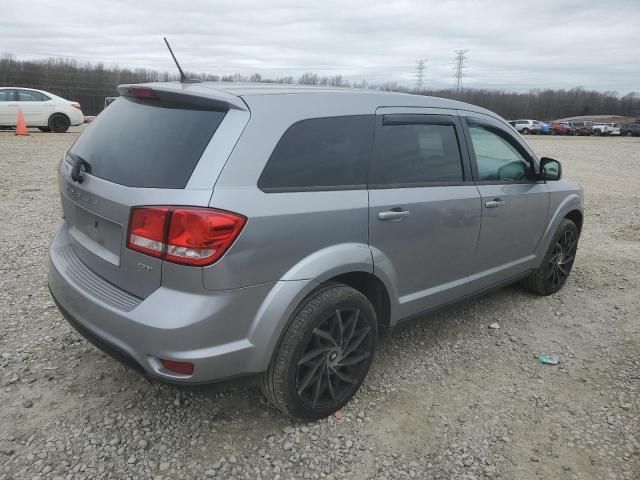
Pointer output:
78, 166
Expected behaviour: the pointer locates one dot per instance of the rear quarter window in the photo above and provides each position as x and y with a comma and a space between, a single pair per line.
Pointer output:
145, 144
321, 153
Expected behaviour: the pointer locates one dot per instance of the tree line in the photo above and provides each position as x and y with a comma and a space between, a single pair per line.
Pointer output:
90, 83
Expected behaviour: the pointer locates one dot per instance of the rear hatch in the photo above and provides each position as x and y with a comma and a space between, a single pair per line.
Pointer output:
145, 149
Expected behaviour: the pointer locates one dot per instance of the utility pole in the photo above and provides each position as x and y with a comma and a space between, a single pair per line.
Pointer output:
420, 66
460, 66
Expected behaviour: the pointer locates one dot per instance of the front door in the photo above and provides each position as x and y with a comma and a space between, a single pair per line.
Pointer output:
514, 203
424, 210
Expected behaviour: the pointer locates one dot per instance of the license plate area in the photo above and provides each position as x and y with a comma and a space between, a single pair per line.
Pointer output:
97, 234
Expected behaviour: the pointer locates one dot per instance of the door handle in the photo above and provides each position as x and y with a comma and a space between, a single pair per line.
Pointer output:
393, 214
495, 203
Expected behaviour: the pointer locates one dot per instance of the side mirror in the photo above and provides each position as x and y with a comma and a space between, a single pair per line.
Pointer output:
550, 169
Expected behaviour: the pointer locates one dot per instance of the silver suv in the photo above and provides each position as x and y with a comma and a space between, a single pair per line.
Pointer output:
214, 231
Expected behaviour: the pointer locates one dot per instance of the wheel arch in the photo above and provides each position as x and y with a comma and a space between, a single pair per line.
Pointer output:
570, 207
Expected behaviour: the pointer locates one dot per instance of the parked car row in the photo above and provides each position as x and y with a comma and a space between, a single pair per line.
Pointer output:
571, 127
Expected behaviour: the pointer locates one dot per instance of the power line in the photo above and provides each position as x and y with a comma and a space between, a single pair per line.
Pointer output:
460, 66
420, 66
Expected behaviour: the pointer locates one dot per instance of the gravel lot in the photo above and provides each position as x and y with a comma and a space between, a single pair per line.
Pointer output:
447, 397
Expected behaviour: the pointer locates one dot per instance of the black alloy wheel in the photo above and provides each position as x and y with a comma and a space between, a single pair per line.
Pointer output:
334, 359
561, 261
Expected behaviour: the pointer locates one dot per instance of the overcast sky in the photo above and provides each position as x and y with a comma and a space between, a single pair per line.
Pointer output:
512, 44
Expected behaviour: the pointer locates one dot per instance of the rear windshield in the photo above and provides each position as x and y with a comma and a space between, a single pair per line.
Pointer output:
150, 145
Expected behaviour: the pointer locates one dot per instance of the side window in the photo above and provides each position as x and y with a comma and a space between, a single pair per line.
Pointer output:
6, 96
30, 96
415, 154
498, 158
328, 152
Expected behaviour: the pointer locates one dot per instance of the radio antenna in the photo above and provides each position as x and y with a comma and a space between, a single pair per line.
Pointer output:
183, 77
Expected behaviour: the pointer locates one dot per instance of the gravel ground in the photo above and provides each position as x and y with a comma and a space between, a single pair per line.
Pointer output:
446, 398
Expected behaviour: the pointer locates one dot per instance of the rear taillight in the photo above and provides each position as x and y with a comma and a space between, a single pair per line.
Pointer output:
186, 235
147, 230
76, 105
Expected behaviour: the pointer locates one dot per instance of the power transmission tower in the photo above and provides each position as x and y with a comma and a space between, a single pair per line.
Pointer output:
420, 66
460, 66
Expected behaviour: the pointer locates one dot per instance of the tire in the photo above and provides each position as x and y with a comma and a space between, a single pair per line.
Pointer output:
629, 133
315, 369
44, 129
556, 264
59, 123
525, 131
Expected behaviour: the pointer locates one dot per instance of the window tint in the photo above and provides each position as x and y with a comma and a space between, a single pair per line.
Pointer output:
321, 152
6, 95
497, 157
30, 96
415, 154
141, 144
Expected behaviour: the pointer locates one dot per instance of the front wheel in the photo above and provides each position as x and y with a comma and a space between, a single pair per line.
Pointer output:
556, 265
525, 131
324, 355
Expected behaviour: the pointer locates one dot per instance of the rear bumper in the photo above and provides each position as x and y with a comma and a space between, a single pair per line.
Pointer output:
76, 117
211, 329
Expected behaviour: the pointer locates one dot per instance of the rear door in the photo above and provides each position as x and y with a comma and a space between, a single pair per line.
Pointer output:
514, 204
140, 152
36, 106
424, 210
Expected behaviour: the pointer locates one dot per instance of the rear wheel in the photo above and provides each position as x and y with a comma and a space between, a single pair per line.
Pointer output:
59, 123
629, 133
324, 355
556, 265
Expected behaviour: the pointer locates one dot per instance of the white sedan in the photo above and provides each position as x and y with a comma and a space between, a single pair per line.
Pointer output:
41, 109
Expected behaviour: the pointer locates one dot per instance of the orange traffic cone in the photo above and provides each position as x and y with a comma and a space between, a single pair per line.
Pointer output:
21, 126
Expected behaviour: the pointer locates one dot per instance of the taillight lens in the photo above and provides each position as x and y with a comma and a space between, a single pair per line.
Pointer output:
76, 105
143, 92
147, 230
187, 235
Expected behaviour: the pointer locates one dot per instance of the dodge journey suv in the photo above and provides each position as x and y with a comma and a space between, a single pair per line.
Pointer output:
214, 231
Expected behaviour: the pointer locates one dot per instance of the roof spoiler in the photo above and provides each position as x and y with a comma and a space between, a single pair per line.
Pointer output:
185, 95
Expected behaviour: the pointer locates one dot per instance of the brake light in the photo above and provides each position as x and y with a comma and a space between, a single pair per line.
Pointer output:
186, 235
76, 105
143, 92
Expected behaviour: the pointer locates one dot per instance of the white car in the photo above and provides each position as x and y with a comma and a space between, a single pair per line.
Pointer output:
526, 126
606, 129
41, 109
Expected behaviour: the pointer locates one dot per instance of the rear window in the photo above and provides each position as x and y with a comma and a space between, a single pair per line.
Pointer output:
321, 153
416, 154
144, 144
